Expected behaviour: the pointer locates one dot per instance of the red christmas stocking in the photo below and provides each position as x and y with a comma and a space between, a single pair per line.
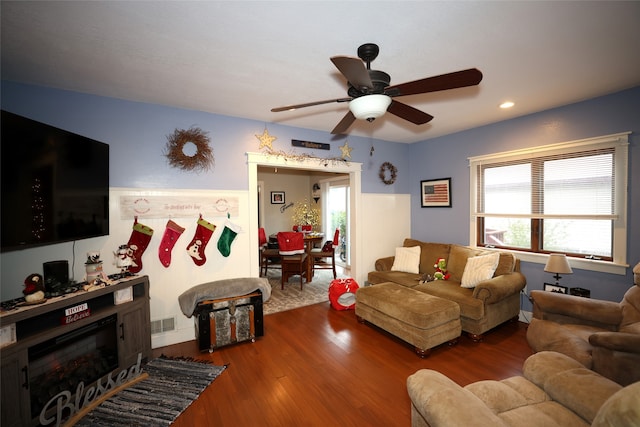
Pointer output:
171, 235
138, 242
196, 248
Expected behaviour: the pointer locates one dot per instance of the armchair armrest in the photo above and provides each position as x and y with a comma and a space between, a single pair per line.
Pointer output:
432, 394
498, 288
616, 341
384, 264
563, 309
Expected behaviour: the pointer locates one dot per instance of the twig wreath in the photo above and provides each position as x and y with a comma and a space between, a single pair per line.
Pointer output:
201, 160
393, 172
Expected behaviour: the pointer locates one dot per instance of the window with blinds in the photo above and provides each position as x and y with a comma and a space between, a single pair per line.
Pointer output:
563, 198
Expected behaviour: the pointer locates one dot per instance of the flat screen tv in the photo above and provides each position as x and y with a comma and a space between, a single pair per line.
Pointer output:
55, 185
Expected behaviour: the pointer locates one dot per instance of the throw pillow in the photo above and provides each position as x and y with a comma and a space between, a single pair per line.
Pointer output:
407, 260
479, 268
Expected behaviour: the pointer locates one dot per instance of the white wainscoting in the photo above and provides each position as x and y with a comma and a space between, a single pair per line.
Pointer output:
386, 223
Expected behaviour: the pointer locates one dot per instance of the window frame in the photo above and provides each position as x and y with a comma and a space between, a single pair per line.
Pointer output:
619, 143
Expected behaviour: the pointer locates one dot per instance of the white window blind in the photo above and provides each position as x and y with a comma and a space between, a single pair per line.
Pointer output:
568, 197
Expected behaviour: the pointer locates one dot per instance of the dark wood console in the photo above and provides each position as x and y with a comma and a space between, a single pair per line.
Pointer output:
46, 332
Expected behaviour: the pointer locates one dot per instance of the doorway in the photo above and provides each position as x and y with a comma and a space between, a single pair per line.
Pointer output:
352, 169
337, 213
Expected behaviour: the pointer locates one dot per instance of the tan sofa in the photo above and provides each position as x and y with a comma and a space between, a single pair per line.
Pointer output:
482, 308
554, 391
602, 335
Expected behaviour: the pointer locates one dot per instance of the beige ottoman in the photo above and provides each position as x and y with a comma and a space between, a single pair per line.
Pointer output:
422, 320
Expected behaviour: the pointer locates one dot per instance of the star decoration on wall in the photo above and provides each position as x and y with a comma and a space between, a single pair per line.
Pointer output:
265, 139
346, 150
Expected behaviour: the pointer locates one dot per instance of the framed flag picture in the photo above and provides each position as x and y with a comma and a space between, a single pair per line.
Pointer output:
435, 193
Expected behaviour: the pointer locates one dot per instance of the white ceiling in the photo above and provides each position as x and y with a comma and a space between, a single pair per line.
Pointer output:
243, 58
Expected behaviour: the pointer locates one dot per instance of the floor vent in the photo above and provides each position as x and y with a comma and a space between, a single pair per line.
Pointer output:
163, 325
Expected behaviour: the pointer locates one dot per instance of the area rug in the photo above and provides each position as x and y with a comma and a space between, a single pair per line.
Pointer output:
172, 385
292, 297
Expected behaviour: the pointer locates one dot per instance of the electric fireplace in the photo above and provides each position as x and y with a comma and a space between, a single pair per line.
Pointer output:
64, 352
59, 364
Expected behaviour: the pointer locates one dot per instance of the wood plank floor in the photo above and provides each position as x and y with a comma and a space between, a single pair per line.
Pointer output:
316, 366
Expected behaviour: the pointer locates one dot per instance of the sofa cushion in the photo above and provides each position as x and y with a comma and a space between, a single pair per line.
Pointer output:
581, 390
545, 414
541, 366
621, 409
407, 259
400, 277
630, 307
470, 307
479, 268
439, 400
572, 340
506, 264
505, 395
429, 253
458, 256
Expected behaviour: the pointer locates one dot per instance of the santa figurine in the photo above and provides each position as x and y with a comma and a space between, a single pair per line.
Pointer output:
124, 259
33, 288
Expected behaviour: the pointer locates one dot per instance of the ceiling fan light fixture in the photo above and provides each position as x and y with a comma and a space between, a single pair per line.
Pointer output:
369, 107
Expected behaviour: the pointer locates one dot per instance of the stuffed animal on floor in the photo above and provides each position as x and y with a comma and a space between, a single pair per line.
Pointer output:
441, 270
33, 288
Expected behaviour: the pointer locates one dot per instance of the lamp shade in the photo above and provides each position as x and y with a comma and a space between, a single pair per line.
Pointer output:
557, 263
369, 107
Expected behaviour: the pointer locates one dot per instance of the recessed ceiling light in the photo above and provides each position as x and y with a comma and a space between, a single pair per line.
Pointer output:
507, 104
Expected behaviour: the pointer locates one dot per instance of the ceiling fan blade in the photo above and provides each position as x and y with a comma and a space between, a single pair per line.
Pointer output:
308, 104
354, 70
409, 113
344, 124
453, 80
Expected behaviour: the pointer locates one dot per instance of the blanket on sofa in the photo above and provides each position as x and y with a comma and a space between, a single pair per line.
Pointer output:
225, 288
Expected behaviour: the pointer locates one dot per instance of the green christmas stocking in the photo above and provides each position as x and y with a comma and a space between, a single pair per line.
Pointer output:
227, 237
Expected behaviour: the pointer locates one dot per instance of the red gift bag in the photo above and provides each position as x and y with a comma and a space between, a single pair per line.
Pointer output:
342, 294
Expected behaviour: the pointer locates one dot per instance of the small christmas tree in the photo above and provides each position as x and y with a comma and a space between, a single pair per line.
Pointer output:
305, 214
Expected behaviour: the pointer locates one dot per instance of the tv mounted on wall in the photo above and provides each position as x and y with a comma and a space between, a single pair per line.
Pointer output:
55, 185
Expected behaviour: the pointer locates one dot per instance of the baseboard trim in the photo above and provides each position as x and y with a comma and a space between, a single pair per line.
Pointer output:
525, 316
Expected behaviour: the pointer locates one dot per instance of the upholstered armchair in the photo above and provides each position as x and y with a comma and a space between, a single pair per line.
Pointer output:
602, 335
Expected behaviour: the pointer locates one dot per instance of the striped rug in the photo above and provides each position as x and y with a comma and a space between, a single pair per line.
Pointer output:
172, 385
292, 296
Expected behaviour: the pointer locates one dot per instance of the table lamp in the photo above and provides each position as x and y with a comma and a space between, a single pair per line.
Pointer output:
557, 263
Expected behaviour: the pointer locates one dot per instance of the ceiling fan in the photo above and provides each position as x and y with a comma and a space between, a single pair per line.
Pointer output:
369, 93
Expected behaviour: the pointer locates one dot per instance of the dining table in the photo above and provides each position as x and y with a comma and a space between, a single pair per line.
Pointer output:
310, 240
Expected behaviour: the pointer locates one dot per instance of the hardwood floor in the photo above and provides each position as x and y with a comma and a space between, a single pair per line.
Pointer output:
316, 366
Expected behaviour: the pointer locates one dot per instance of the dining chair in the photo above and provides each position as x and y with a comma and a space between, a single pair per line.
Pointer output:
293, 257
269, 257
319, 256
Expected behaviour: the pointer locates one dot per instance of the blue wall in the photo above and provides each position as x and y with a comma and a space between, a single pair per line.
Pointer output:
137, 135
448, 157
137, 132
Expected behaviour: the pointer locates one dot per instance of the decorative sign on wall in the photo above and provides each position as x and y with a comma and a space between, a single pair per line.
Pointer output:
309, 144
177, 206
